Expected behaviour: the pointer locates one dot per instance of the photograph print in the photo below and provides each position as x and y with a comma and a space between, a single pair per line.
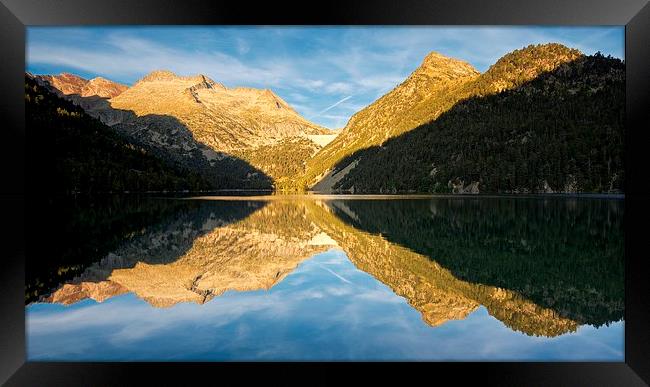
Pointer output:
339, 193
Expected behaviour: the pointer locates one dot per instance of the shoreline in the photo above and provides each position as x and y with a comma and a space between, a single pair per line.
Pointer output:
239, 194
327, 196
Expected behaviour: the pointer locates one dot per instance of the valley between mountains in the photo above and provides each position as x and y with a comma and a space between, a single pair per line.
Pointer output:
542, 119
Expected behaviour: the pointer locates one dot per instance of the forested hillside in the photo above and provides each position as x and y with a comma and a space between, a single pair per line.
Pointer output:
559, 131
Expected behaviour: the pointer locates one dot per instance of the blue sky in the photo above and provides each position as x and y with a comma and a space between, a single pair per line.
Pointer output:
326, 73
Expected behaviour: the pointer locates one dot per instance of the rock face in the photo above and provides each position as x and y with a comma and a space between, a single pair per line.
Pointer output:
459, 187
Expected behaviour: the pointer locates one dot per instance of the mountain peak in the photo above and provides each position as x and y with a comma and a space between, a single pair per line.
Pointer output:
71, 84
437, 65
71, 76
274, 100
550, 48
544, 57
434, 56
269, 93
204, 78
206, 82
200, 81
158, 75
527, 63
103, 87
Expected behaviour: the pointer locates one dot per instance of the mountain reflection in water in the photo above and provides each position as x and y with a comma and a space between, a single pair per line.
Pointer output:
542, 267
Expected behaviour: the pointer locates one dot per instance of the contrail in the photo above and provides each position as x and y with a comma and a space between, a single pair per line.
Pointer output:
335, 105
336, 275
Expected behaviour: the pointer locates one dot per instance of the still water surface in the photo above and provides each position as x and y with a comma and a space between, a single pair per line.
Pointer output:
327, 278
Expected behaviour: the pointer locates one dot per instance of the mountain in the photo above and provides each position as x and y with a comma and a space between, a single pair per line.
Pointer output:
84, 155
225, 119
428, 91
70, 84
545, 118
252, 124
195, 120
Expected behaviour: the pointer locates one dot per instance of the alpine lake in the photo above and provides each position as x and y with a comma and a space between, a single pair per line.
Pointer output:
327, 277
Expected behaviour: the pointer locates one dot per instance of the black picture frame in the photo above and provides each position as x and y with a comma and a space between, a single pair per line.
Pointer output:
15, 196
